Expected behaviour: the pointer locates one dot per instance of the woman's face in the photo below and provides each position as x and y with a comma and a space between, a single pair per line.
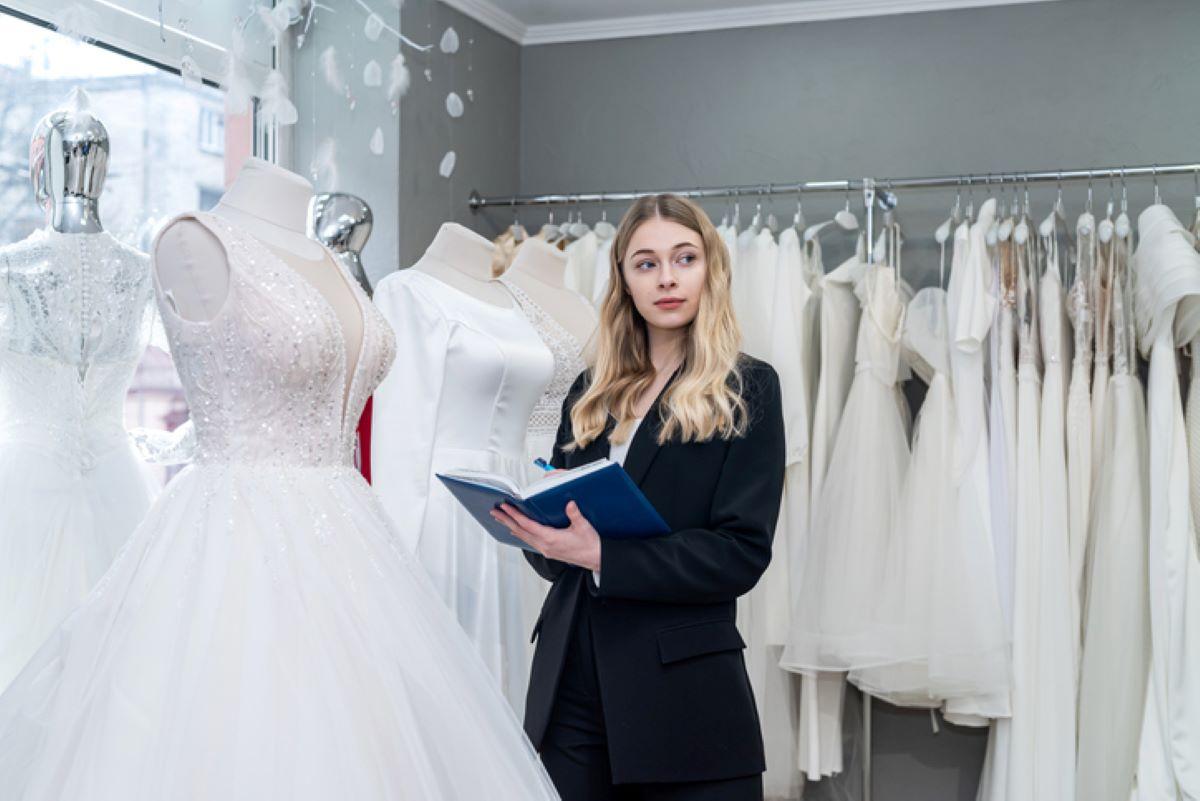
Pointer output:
664, 271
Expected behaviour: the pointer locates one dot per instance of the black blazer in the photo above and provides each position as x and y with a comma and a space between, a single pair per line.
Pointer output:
677, 701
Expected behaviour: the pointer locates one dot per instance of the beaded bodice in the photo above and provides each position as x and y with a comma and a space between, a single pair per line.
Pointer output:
267, 377
568, 363
75, 316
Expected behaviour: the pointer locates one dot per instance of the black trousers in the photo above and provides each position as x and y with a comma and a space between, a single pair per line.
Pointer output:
575, 748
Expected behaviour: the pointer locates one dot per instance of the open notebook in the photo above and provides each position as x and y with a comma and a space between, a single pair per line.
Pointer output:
605, 493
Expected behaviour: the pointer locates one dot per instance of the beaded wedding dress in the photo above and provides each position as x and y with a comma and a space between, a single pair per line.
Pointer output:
263, 634
75, 317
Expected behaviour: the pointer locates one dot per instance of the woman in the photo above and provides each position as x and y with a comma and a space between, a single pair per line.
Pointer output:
639, 689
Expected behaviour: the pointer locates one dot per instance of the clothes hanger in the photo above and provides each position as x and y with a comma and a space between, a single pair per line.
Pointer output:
579, 228
604, 229
1123, 226
1004, 232
993, 231
1021, 230
772, 220
798, 218
756, 223
1106, 228
943, 231
519, 234
844, 219
1056, 215
550, 232
737, 211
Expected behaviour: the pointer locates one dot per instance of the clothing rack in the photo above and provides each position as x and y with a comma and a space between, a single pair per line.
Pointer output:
876, 193
477, 201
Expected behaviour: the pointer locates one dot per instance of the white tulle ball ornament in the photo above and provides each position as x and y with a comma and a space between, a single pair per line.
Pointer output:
454, 105
449, 43
446, 168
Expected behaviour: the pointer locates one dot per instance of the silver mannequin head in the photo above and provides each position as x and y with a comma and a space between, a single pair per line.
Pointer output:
342, 223
68, 161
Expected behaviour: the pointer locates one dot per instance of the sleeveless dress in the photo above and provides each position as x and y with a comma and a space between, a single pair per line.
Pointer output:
832, 622
1116, 616
76, 311
263, 634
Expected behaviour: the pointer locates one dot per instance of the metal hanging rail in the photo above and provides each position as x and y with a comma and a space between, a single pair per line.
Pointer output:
478, 201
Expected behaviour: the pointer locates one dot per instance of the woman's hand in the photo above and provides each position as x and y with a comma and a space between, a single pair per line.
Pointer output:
577, 544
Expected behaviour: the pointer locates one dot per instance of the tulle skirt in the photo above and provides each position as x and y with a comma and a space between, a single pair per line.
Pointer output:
262, 635
939, 627
60, 528
833, 624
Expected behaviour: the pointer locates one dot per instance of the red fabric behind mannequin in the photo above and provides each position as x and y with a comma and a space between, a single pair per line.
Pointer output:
363, 453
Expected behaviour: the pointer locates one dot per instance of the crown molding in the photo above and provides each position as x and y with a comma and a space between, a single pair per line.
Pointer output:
504, 23
492, 16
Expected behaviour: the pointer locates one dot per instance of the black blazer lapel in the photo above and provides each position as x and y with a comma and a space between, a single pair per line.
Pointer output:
645, 446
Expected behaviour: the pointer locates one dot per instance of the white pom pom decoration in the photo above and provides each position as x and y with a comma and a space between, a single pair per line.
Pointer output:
399, 81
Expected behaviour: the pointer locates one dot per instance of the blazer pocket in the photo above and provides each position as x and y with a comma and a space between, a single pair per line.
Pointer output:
696, 639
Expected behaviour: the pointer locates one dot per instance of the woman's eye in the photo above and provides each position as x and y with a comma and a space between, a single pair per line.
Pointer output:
645, 265
687, 258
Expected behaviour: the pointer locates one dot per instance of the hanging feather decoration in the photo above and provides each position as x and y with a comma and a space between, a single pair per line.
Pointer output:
399, 82
446, 168
449, 43
323, 168
377, 142
372, 74
373, 27
275, 101
236, 81
331, 70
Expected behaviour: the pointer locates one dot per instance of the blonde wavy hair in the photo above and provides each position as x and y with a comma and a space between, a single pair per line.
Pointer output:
705, 399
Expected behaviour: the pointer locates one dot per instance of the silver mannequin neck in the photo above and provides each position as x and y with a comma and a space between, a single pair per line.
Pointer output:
343, 224
68, 162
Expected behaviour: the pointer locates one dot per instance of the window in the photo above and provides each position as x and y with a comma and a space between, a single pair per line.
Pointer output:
167, 155
212, 131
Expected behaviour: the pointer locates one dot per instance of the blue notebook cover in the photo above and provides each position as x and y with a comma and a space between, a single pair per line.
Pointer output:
606, 496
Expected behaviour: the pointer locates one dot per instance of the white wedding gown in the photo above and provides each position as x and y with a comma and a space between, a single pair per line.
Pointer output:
264, 634
1116, 644
467, 376
76, 312
1167, 302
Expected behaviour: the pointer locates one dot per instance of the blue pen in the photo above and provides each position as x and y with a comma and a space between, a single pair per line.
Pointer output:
542, 463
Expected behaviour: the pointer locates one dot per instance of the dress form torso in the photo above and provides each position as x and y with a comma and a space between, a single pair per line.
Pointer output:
192, 266
462, 259
539, 271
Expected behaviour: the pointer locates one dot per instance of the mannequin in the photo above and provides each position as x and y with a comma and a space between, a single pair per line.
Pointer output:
68, 162
343, 224
539, 269
78, 309
461, 258
271, 204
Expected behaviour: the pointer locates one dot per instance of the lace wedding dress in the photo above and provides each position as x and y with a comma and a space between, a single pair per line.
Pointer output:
263, 634
75, 317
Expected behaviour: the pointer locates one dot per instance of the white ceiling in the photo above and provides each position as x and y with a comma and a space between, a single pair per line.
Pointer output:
531, 22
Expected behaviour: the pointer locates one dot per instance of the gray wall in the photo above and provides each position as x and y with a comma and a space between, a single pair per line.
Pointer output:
325, 114
486, 137
1046, 85
1074, 83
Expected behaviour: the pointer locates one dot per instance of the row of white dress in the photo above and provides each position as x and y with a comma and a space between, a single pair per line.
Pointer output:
1003, 568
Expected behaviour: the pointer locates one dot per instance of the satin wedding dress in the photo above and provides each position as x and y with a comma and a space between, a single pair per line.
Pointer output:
264, 634
467, 377
76, 311
1167, 303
